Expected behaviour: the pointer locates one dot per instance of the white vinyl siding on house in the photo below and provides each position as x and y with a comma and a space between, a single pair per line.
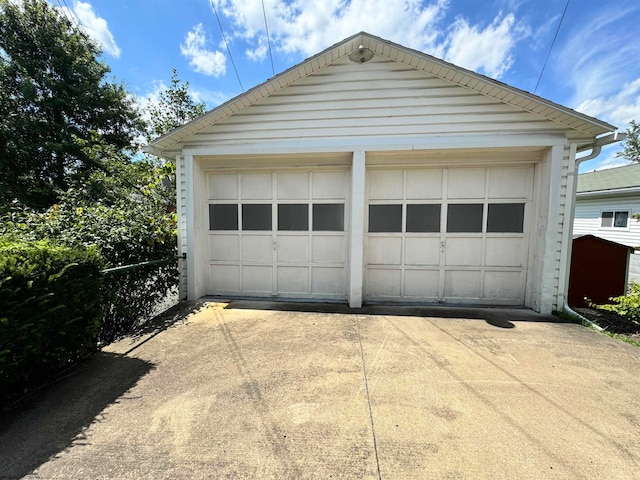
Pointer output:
588, 220
378, 98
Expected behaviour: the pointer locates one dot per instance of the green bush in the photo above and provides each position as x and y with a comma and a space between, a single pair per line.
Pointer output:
49, 309
124, 212
627, 306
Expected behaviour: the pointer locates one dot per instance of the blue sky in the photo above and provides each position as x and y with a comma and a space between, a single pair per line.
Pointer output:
594, 66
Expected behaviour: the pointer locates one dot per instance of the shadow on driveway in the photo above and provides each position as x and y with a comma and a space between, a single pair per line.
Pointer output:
58, 419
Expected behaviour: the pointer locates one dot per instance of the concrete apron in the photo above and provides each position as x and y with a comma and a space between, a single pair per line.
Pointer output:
248, 392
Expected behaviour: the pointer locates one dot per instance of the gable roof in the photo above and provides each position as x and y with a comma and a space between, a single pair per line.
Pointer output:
589, 126
610, 179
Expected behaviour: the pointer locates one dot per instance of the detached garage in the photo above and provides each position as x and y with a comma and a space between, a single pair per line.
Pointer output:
373, 172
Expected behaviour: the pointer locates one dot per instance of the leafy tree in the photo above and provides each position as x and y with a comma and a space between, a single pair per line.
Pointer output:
176, 107
631, 150
54, 99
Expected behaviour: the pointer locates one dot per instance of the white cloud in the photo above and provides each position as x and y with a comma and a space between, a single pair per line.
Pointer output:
619, 108
96, 27
598, 61
488, 50
200, 58
308, 26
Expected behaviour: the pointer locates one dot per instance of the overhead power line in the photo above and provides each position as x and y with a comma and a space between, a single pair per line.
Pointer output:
552, 44
226, 43
266, 27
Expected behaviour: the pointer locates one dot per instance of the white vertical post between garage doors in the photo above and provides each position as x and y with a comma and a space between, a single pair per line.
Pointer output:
357, 229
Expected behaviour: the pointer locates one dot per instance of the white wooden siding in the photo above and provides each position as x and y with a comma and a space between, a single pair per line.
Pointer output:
378, 98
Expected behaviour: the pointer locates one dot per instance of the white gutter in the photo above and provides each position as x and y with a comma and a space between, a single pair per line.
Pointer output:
607, 193
569, 214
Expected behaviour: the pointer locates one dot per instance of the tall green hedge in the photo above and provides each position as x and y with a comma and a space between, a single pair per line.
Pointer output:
50, 309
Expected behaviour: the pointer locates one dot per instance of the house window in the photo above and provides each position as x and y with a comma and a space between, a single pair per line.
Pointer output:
256, 216
505, 218
464, 217
614, 219
328, 217
423, 218
293, 217
385, 218
223, 216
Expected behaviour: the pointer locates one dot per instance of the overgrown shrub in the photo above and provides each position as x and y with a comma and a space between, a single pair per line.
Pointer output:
132, 296
626, 305
50, 309
126, 215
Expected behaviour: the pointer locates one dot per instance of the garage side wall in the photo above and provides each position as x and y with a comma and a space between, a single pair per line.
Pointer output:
181, 202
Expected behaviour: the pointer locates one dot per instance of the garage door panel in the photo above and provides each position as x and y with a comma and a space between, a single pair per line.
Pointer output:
476, 253
225, 278
466, 183
504, 252
256, 186
257, 279
293, 248
329, 185
293, 280
223, 186
421, 283
384, 251
508, 183
462, 284
385, 184
293, 186
327, 281
384, 282
328, 249
502, 285
424, 184
257, 248
464, 252
422, 251
224, 248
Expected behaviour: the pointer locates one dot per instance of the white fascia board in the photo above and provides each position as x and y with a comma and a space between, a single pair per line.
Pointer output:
617, 192
337, 145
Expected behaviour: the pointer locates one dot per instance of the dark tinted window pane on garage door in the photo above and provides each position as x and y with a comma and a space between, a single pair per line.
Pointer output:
385, 218
293, 217
256, 217
423, 218
223, 217
464, 218
505, 217
328, 217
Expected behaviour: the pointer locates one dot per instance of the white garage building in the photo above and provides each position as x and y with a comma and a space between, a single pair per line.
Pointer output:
373, 172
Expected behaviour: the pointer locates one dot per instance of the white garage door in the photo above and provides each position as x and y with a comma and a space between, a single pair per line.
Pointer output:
278, 234
448, 234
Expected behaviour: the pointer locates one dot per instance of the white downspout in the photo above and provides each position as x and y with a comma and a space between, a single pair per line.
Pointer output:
569, 214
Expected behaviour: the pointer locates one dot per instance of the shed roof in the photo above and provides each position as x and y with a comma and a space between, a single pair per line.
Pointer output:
482, 84
610, 179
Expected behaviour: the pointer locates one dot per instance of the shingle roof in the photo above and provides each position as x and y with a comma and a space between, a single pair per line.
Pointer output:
610, 179
526, 101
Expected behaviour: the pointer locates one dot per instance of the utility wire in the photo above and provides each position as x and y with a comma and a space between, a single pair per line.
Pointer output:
68, 14
266, 27
551, 47
226, 44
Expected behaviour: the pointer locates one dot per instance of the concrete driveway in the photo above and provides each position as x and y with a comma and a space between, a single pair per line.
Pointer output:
253, 390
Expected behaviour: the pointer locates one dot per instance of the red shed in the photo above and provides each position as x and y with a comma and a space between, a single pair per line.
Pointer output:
599, 270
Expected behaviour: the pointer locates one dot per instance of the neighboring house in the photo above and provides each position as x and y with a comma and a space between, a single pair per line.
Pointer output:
605, 203
373, 172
